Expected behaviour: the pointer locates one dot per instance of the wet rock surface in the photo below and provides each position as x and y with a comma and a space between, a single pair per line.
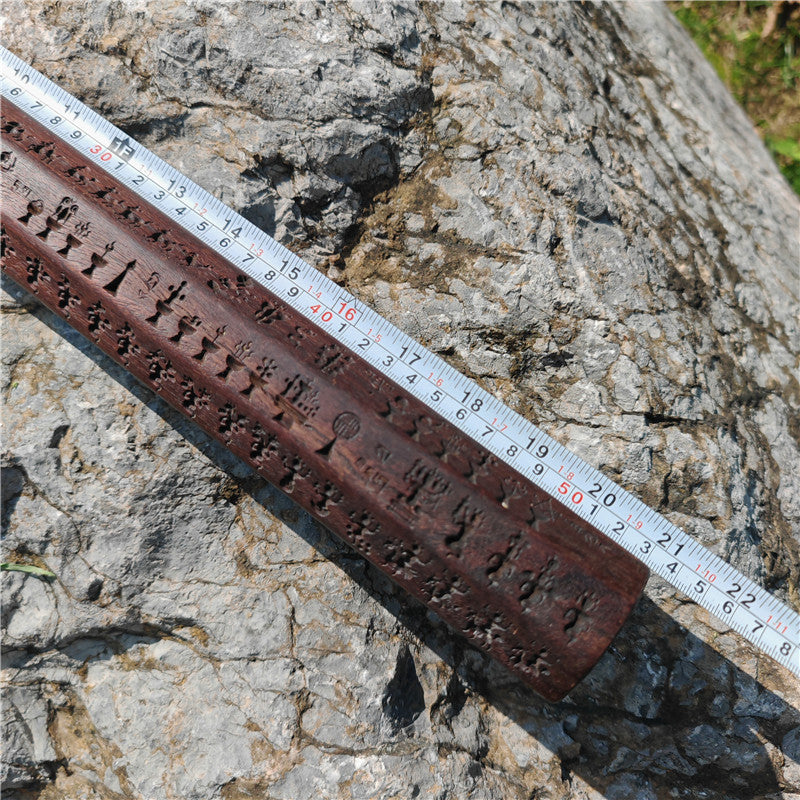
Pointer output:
561, 200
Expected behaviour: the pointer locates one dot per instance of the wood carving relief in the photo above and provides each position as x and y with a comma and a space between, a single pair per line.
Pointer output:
520, 576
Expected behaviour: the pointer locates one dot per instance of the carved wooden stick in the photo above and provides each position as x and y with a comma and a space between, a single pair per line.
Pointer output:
518, 574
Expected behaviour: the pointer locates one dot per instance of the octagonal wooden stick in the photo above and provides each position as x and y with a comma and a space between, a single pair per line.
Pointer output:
515, 572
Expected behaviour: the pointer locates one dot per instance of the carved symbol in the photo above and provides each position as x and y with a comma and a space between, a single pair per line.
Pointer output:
362, 530
34, 207
103, 193
535, 662
512, 488
535, 588
345, 426
7, 160
300, 399
76, 173
243, 349
97, 322
114, 285
443, 585
83, 228
66, 208
472, 462
164, 306
230, 421
484, 624
264, 445
98, 260
259, 378
159, 367
66, 299
209, 345
221, 283
232, 364
480, 465
5, 245
131, 216
324, 495
242, 285
397, 412
161, 237
575, 617
376, 480
455, 449
36, 272
331, 360
13, 128
193, 261
426, 487
543, 509
383, 453
596, 541
398, 555
294, 469
126, 342
194, 398
186, 325
501, 565
425, 429
73, 242
45, 150
468, 519
268, 313
299, 336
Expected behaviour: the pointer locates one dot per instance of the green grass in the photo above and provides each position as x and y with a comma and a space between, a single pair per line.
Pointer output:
755, 49
39, 572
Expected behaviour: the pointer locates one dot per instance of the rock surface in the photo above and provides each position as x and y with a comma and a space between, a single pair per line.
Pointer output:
565, 203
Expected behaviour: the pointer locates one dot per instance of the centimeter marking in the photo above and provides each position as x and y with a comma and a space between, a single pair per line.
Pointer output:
669, 552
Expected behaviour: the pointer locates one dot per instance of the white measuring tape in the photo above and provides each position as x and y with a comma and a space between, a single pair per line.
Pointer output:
669, 552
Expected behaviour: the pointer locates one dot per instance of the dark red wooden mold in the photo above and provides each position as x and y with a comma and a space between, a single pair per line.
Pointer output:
515, 572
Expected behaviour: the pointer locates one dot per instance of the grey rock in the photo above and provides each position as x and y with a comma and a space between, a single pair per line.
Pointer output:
705, 744
565, 203
630, 786
791, 754
28, 753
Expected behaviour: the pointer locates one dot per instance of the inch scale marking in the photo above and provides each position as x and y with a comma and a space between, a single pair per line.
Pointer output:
665, 549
